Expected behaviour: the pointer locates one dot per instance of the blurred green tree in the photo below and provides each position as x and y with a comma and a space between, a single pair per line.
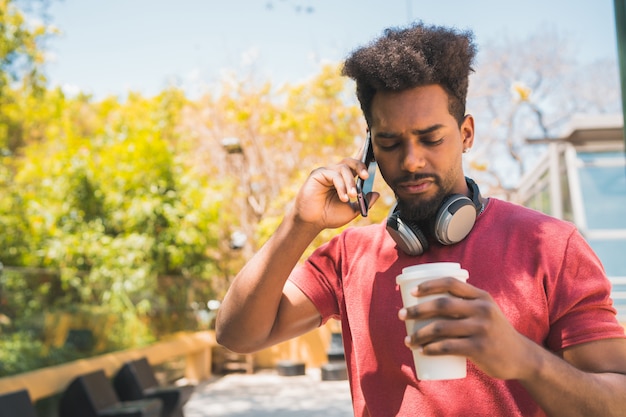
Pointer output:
21, 60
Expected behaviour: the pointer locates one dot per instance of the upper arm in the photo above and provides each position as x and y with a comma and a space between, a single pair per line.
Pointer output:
296, 315
608, 355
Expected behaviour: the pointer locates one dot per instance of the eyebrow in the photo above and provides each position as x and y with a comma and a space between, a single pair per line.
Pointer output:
418, 132
428, 130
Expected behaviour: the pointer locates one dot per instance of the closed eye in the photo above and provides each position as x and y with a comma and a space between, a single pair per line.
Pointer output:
387, 141
432, 142
389, 146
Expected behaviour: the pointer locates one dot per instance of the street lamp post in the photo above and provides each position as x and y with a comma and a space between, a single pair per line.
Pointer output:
239, 239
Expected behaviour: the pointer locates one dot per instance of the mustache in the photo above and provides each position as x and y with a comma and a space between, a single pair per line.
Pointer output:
416, 177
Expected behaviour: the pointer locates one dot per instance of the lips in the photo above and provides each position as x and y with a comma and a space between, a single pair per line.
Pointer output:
414, 186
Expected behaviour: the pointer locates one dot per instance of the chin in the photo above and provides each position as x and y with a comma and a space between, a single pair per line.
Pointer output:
417, 210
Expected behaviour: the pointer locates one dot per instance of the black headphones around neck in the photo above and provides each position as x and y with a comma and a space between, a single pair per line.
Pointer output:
454, 220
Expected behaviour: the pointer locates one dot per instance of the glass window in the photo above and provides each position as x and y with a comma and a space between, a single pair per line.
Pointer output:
603, 183
611, 253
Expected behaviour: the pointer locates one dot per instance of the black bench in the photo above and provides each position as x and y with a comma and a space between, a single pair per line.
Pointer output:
92, 395
336, 368
17, 404
136, 380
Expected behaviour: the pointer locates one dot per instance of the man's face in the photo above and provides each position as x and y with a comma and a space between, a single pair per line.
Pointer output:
418, 146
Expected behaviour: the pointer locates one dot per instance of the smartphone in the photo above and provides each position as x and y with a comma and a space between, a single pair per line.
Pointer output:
365, 186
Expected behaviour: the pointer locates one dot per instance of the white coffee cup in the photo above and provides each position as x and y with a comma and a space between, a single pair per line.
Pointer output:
431, 367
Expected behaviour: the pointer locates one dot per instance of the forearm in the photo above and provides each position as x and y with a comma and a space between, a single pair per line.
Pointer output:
563, 390
250, 308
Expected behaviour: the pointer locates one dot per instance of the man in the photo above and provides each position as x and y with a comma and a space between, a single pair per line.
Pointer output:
535, 319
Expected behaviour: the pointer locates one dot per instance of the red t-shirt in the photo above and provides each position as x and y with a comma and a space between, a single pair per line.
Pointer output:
540, 271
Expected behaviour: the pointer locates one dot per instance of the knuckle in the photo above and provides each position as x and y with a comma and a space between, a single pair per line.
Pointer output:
443, 303
485, 309
440, 347
478, 344
445, 348
450, 281
437, 328
412, 311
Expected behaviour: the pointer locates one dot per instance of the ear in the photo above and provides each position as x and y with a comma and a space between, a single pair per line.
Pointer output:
467, 131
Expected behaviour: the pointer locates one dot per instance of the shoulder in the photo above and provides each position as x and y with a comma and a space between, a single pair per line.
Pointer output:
515, 224
357, 242
361, 237
501, 211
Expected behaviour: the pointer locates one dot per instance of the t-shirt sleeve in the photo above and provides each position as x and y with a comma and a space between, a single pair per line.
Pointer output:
319, 279
579, 298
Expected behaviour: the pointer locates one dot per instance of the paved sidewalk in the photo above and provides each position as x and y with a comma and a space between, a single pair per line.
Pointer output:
266, 394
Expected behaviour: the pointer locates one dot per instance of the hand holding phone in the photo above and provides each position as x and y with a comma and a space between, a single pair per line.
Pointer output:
363, 187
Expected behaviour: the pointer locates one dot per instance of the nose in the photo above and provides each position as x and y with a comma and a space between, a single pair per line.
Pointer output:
413, 158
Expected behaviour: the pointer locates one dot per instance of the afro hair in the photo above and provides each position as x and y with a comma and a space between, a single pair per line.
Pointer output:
404, 58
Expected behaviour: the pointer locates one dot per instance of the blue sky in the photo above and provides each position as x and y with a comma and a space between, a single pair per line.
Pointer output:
110, 47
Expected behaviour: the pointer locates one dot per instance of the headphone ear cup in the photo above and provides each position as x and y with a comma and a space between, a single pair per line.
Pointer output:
409, 238
455, 219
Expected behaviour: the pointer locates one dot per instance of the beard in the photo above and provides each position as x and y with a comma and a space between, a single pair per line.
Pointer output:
419, 210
